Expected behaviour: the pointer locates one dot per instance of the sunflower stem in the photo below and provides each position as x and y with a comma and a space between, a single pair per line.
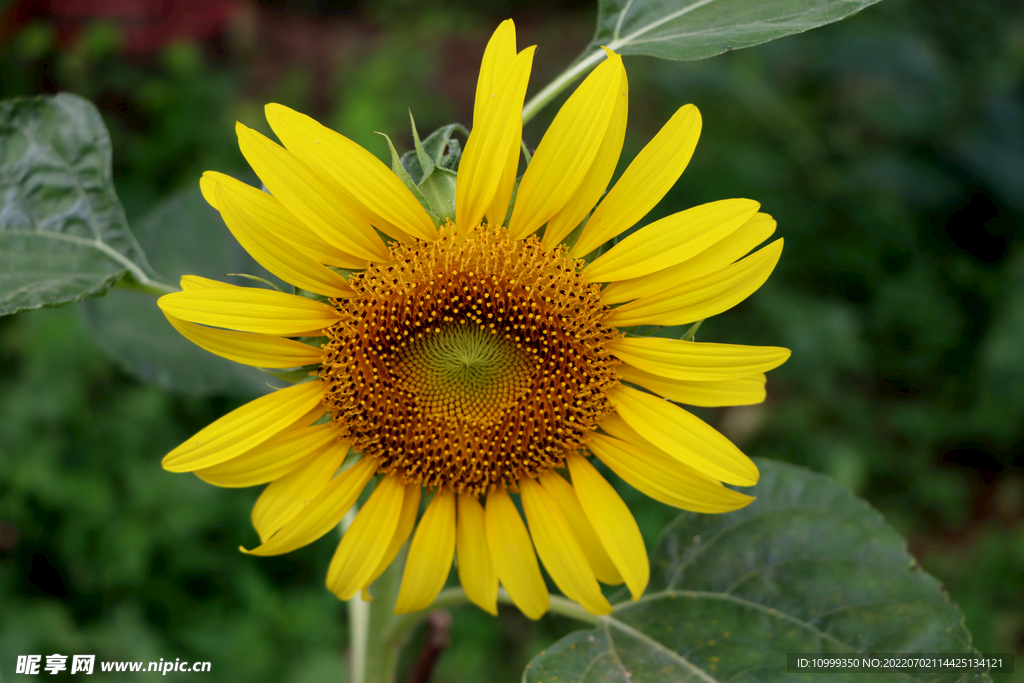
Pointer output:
568, 608
358, 626
561, 82
138, 282
381, 661
373, 657
358, 619
402, 625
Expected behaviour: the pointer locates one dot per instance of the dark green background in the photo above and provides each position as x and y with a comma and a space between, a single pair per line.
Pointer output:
890, 147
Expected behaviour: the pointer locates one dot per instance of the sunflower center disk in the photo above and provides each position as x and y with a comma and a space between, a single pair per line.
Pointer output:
469, 362
464, 372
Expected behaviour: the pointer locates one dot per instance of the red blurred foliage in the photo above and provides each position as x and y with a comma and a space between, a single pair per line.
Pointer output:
145, 25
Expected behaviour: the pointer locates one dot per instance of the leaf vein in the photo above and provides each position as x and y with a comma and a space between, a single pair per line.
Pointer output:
622, 17
612, 650
651, 642
593, 663
726, 30
770, 565
770, 611
740, 522
669, 17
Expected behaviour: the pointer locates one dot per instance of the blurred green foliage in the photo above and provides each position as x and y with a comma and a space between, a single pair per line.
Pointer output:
890, 147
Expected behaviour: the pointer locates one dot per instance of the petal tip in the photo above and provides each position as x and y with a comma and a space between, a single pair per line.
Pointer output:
274, 109
752, 478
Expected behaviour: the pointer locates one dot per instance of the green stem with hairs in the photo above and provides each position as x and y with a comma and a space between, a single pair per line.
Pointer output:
138, 282
381, 653
401, 626
561, 82
378, 636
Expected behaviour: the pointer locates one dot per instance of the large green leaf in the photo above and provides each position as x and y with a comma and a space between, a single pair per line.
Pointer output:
185, 236
63, 233
806, 568
696, 29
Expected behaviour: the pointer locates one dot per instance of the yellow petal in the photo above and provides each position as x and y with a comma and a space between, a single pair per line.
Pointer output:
499, 53
406, 522
498, 209
499, 130
696, 361
285, 497
595, 182
322, 513
207, 185
653, 173
613, 523
563, 493
476, 571
701, 298
501, 50
244, 428
684, 436
513, 556
736, 391
364, 544
318, 411
272, 459
195, 282
735, 246
276, 253
671, 240
261, 350
567, 150
559, 550
249, 310
430, 555
268, 211
363, 180
663, 478
309, 197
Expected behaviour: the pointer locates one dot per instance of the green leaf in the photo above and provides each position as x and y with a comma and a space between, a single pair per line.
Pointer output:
435, 146
450, 161
424, 159
63, 233
439, 190
185, 236
806, 568
438, 141
399, 169
697, 29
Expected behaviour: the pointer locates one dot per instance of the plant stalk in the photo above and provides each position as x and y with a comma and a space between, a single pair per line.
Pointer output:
138, 282
561, 82
358, 626
381, 654
402, 625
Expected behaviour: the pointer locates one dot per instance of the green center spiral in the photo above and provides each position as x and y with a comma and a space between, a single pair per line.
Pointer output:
463, 371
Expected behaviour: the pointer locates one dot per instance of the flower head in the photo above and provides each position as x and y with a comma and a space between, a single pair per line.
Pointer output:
470, 358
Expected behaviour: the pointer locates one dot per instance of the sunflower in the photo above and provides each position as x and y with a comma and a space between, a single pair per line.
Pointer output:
474, 357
